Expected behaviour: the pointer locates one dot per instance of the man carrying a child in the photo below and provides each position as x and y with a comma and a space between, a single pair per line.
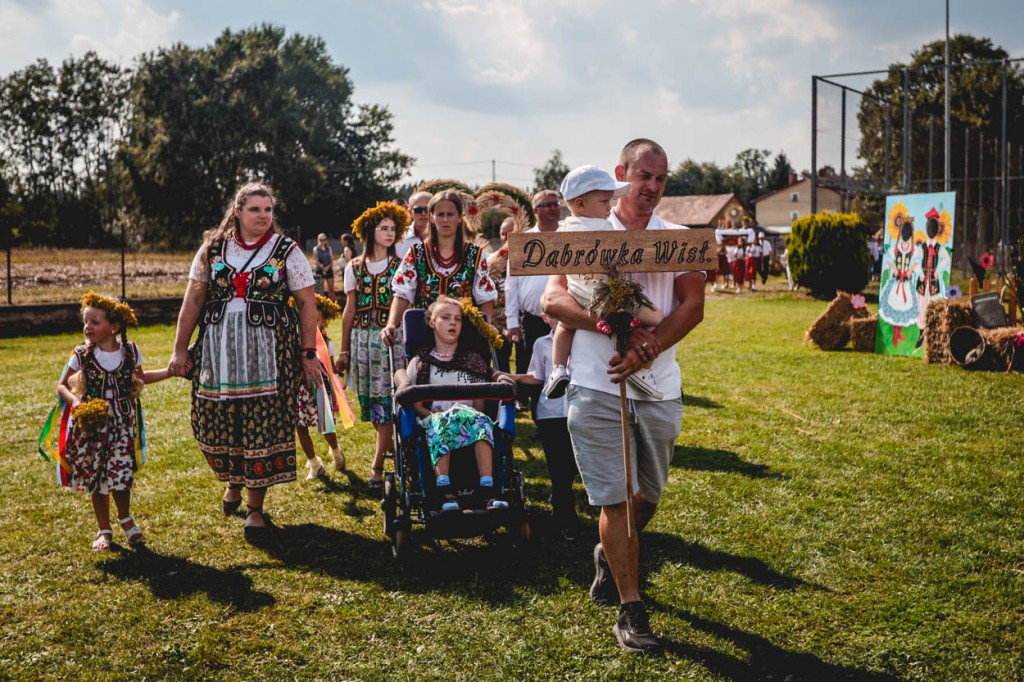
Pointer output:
593, 395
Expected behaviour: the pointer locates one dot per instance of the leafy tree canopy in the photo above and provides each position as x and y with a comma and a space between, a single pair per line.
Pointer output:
255, 105
551, 174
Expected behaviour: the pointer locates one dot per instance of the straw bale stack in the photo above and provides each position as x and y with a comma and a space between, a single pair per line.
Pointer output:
942, 318
1005, 352
862, 333
830, 331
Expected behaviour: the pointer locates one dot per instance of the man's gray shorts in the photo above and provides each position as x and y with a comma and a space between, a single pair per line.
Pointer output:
596, 431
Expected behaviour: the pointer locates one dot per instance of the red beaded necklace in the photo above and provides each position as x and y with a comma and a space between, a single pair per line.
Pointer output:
256, 244
445, 262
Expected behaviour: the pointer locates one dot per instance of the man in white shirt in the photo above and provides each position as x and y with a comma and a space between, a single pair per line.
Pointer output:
766, 258
420, 223
523, 292
593, 396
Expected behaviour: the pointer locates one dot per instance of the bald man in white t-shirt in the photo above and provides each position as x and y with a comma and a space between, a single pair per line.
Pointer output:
593, 396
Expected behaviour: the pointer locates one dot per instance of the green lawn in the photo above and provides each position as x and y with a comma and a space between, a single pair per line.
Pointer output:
829, 516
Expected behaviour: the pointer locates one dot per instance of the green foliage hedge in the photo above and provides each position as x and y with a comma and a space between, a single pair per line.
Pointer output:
828, 252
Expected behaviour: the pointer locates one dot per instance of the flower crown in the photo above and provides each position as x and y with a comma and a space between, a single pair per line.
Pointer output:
328, 308
490, 334
371, 217
116, 312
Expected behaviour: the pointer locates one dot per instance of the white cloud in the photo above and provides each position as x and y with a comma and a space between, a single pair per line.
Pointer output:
117, 30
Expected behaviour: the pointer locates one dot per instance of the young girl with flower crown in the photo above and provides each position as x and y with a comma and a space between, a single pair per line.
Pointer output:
368, 299
100, 384
453, 424
326, 310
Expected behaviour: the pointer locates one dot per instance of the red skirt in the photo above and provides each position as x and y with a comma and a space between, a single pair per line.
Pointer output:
739, 270
752, 269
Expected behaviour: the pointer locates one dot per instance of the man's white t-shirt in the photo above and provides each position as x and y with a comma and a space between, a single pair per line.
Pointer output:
591, 351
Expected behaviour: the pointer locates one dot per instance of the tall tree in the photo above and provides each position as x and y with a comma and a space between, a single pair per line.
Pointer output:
691, 177
749, 175
778, 176
551, 174
256, 104
975, 103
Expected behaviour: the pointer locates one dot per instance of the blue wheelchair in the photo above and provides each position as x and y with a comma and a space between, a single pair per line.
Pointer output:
411, 500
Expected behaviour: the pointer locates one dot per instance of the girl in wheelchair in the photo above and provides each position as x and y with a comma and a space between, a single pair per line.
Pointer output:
453, 424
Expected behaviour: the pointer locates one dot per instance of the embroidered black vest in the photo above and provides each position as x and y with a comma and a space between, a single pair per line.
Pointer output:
266, 292
98, 380
468, 362
373, 294
431, 284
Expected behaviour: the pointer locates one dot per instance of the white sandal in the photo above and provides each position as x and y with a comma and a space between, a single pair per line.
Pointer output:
316, 468
339, 458
132, 533
102, 541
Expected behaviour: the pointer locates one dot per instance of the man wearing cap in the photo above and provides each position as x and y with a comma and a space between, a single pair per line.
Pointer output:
594, 418
420, 223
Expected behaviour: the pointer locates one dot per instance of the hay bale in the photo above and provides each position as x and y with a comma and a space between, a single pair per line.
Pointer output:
830, 331
862, 333
942, 318
1005, 353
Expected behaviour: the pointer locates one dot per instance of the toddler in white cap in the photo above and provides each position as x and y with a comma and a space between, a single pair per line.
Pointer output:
589, 191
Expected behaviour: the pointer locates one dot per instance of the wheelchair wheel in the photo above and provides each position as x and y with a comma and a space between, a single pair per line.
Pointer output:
389, 504
400, 541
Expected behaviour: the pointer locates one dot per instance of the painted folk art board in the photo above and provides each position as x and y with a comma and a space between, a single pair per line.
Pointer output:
916, 261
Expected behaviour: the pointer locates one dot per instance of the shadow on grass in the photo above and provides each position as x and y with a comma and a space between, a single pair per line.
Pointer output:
172, 577
658, 547
490, 569
708, 459
356, 489
767, 661
702, 402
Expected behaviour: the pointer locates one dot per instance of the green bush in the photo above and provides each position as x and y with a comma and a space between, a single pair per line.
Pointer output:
828, 252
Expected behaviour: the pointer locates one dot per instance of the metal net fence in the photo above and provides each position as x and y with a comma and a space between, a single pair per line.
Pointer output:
881, 133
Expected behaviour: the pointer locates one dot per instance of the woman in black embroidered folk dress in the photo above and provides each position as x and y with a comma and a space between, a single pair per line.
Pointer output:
247, 362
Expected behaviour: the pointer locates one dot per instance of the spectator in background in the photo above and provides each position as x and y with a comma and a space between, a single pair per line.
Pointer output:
420, 223
324, 263
766, 257
497, 264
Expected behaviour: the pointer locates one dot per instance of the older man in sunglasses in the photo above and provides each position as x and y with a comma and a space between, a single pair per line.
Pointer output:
420, 223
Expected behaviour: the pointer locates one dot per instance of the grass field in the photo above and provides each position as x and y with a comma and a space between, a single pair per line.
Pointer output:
828, 516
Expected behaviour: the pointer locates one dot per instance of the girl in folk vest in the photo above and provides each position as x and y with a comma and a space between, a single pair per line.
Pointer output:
445, 264
368, 291
100, 384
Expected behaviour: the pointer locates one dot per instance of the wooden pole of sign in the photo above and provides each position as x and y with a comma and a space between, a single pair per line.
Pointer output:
627, 461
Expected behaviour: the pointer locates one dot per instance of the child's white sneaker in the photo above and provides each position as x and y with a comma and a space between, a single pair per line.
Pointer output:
643, 381
557, 382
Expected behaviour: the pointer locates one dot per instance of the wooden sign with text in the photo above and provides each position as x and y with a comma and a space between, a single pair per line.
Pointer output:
591, 253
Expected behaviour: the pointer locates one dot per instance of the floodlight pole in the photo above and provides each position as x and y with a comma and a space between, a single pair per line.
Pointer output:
945, 175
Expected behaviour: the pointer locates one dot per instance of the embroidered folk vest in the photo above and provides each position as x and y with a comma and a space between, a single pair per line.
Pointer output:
373, 294
431, 284
266, 291
98, 380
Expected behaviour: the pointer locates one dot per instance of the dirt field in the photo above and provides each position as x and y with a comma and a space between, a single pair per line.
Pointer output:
62, 276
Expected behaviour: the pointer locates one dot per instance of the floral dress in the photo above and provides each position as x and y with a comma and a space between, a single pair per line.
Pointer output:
104, 461
897, 304
369, 367
246, 360
453, 424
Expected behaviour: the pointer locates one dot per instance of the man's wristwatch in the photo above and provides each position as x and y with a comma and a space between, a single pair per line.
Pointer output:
309, 353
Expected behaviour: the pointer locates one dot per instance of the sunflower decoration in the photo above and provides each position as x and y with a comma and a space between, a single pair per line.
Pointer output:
372, 217
615, 303
116, 311
897, 216
329, 310
945, 227
91, 415
476, 318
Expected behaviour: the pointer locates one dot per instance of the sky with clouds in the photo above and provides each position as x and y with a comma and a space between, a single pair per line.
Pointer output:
469, 81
